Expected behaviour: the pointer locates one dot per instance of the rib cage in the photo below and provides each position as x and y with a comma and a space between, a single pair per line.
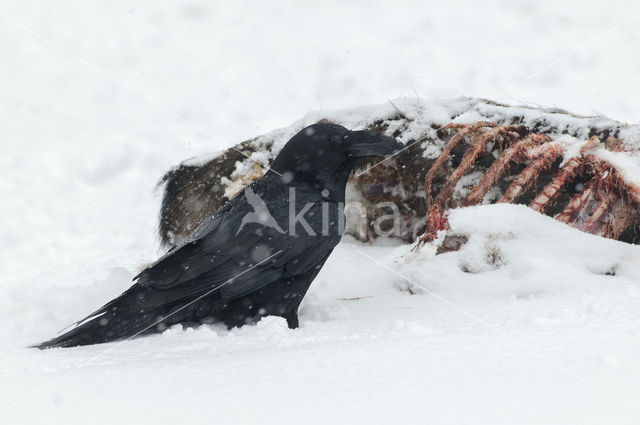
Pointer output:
600, 201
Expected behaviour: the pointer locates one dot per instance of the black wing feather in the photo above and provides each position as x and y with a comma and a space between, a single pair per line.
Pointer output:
218, 253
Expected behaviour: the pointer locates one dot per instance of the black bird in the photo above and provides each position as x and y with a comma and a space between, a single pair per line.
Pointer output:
256, 256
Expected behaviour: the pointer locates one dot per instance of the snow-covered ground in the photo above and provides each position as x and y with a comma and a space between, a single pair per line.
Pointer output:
530, 323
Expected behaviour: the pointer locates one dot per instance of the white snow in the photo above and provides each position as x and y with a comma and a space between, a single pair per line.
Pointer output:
541, 334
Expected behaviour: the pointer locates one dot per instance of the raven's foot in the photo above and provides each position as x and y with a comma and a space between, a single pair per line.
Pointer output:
292, 319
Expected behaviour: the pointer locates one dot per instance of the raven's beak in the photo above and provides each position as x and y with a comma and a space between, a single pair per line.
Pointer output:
362, 144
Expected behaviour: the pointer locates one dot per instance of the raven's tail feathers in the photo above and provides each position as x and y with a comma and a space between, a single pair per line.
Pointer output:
114, 321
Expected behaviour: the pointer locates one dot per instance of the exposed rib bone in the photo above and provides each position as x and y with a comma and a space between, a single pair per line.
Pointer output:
499, 167
569, 170
453, 142
530, 173
552, 190
576, 203
467, 162
436, 220
594, 224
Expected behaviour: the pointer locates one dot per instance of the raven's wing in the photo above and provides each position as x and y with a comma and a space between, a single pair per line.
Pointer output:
229, 258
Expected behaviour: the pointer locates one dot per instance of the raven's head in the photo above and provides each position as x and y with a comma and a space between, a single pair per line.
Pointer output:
324, 154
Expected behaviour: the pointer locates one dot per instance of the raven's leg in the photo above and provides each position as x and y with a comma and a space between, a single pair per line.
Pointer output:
292, 318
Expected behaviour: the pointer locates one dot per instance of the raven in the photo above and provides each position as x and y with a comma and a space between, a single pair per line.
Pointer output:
254, 257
